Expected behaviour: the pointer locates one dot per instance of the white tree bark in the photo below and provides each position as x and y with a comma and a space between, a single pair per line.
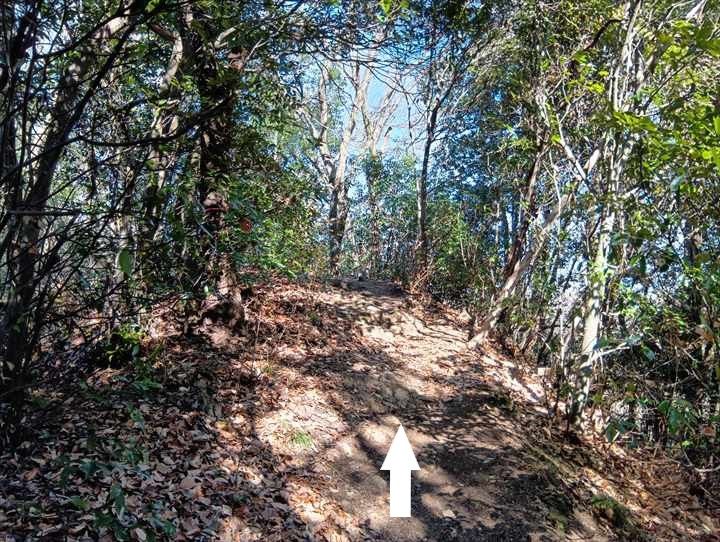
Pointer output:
332, 165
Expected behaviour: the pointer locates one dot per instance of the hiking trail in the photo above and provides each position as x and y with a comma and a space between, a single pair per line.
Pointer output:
276, 429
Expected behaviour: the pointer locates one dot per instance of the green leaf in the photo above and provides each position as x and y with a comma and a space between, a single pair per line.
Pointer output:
103, 520
704, 32
80, 503
124, 261
597, 88
168, 527
152, 5
117, 497
612, 432
649, 354
711, 46
89, 468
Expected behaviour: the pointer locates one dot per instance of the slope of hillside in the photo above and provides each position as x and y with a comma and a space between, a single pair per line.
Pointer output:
275, 429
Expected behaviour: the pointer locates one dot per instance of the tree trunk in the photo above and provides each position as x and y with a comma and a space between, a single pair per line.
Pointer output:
589, 353
375, 124
213, 160
527, 213
375, 248
337, 220
165, 123
627, 77
422, 244
516, 266
333, 166
23, 315
522, 265
11, 381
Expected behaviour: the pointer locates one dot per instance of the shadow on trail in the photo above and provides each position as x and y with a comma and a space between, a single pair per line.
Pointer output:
257, 487
198, 451
167, 454
480, 477
477, 480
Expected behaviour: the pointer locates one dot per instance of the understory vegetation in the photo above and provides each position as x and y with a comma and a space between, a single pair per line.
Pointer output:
548, 169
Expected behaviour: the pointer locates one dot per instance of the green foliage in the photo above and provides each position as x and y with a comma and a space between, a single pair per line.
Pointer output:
617, 427
146, 386
612, 510
302, 439
164, 170
80, 503
125, 261
456, 265
395, 221
680, 416
124, 347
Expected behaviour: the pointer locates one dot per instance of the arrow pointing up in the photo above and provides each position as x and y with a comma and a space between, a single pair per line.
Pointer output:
400, 461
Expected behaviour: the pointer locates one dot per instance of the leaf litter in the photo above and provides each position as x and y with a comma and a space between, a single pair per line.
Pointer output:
276, 431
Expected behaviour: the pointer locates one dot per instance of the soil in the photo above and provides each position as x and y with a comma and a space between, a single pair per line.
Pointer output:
277, 431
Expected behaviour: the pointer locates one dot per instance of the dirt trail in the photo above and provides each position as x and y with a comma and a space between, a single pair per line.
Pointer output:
480, 477
275, 430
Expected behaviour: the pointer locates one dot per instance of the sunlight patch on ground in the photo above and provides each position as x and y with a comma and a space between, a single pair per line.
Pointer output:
301, 426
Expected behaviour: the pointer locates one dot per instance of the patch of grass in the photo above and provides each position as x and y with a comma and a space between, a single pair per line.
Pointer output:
615, 512
90, 393
80, 503
315, 318
302, 439
145, 386
124, 346
129, 452
137, 417
559, 520
86, 468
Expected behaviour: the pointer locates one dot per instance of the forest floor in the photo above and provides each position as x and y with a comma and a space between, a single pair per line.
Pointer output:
276, 430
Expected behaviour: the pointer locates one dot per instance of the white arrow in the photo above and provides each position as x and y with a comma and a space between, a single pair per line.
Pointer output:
400, 461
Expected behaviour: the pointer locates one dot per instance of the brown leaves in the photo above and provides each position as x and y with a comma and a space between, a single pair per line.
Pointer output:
191, 486
237, 444
30, 474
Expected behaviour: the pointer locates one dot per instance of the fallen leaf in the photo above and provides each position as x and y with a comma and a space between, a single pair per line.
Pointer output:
32, 473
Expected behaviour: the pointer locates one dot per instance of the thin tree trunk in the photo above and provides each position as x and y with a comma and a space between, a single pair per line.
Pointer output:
164, 124
521, 267
589, 352
422, 244
514, 267
334, 165
11, 381
626, 77
375, 124
337, 219
527, 213
23, 316
372, 172
215, 135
